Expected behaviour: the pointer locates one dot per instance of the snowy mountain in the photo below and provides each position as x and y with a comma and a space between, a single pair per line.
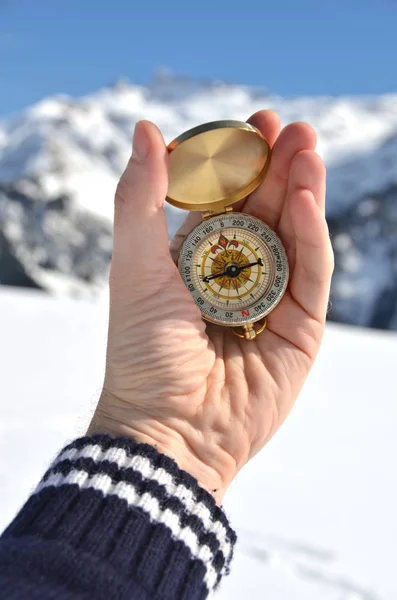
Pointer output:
60, 160
314, 511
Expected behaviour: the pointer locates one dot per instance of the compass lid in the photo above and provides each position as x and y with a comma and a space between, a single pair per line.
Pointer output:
216, 164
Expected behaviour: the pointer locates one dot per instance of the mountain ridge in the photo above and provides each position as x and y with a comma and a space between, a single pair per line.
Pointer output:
60, 160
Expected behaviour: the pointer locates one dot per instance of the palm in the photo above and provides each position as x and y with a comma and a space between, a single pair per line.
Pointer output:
223, 396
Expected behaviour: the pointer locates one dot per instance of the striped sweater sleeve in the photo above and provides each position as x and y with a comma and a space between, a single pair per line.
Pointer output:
114, 519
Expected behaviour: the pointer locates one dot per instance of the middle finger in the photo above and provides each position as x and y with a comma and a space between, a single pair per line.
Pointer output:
267, 201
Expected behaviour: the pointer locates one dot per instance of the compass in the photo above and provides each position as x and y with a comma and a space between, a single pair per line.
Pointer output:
233, 264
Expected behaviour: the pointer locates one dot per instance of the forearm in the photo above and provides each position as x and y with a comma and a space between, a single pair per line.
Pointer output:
115, 519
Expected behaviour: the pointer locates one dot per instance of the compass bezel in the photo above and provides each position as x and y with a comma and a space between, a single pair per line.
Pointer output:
274, 292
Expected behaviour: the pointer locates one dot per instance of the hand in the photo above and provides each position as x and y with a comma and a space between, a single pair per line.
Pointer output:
194, 390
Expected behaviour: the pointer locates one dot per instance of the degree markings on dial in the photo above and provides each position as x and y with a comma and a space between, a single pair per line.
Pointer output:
255, 294
247, 240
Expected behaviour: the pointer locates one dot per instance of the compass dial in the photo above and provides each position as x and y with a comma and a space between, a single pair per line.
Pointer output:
235, 267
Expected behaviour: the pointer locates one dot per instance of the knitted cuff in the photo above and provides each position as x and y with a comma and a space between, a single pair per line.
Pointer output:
131, 507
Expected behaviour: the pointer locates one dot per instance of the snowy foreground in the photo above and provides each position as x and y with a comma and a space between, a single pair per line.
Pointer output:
315, 512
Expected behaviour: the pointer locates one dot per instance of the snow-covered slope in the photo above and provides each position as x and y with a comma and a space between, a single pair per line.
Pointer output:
315, 511
79, 146
61, 158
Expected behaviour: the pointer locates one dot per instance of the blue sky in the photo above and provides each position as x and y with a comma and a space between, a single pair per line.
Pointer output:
289, 46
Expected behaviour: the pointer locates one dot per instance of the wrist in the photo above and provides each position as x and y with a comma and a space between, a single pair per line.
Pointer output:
206, 476
166, 440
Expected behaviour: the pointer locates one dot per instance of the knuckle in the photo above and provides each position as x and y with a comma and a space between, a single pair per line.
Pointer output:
123, 191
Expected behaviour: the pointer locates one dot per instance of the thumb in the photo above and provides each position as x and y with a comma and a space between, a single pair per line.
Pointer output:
140, 227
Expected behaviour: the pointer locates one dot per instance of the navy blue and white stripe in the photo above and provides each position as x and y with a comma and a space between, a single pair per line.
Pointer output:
138, 475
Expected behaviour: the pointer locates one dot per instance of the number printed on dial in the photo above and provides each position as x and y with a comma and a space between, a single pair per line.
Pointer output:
235, 267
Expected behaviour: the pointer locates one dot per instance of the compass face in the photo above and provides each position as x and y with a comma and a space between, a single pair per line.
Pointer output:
235, 267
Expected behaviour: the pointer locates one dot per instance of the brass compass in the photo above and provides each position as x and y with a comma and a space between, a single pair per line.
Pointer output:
233, 264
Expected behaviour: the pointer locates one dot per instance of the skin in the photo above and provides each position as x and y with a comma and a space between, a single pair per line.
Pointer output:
195, 391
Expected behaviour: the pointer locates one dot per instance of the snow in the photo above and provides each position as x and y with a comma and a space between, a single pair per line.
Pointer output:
79, 146
60, 161
315, 511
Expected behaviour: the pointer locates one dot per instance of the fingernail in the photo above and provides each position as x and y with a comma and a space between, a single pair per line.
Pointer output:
140, 144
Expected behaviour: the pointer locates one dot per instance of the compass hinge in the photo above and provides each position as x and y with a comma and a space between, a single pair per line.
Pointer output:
249, 331
209, 214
